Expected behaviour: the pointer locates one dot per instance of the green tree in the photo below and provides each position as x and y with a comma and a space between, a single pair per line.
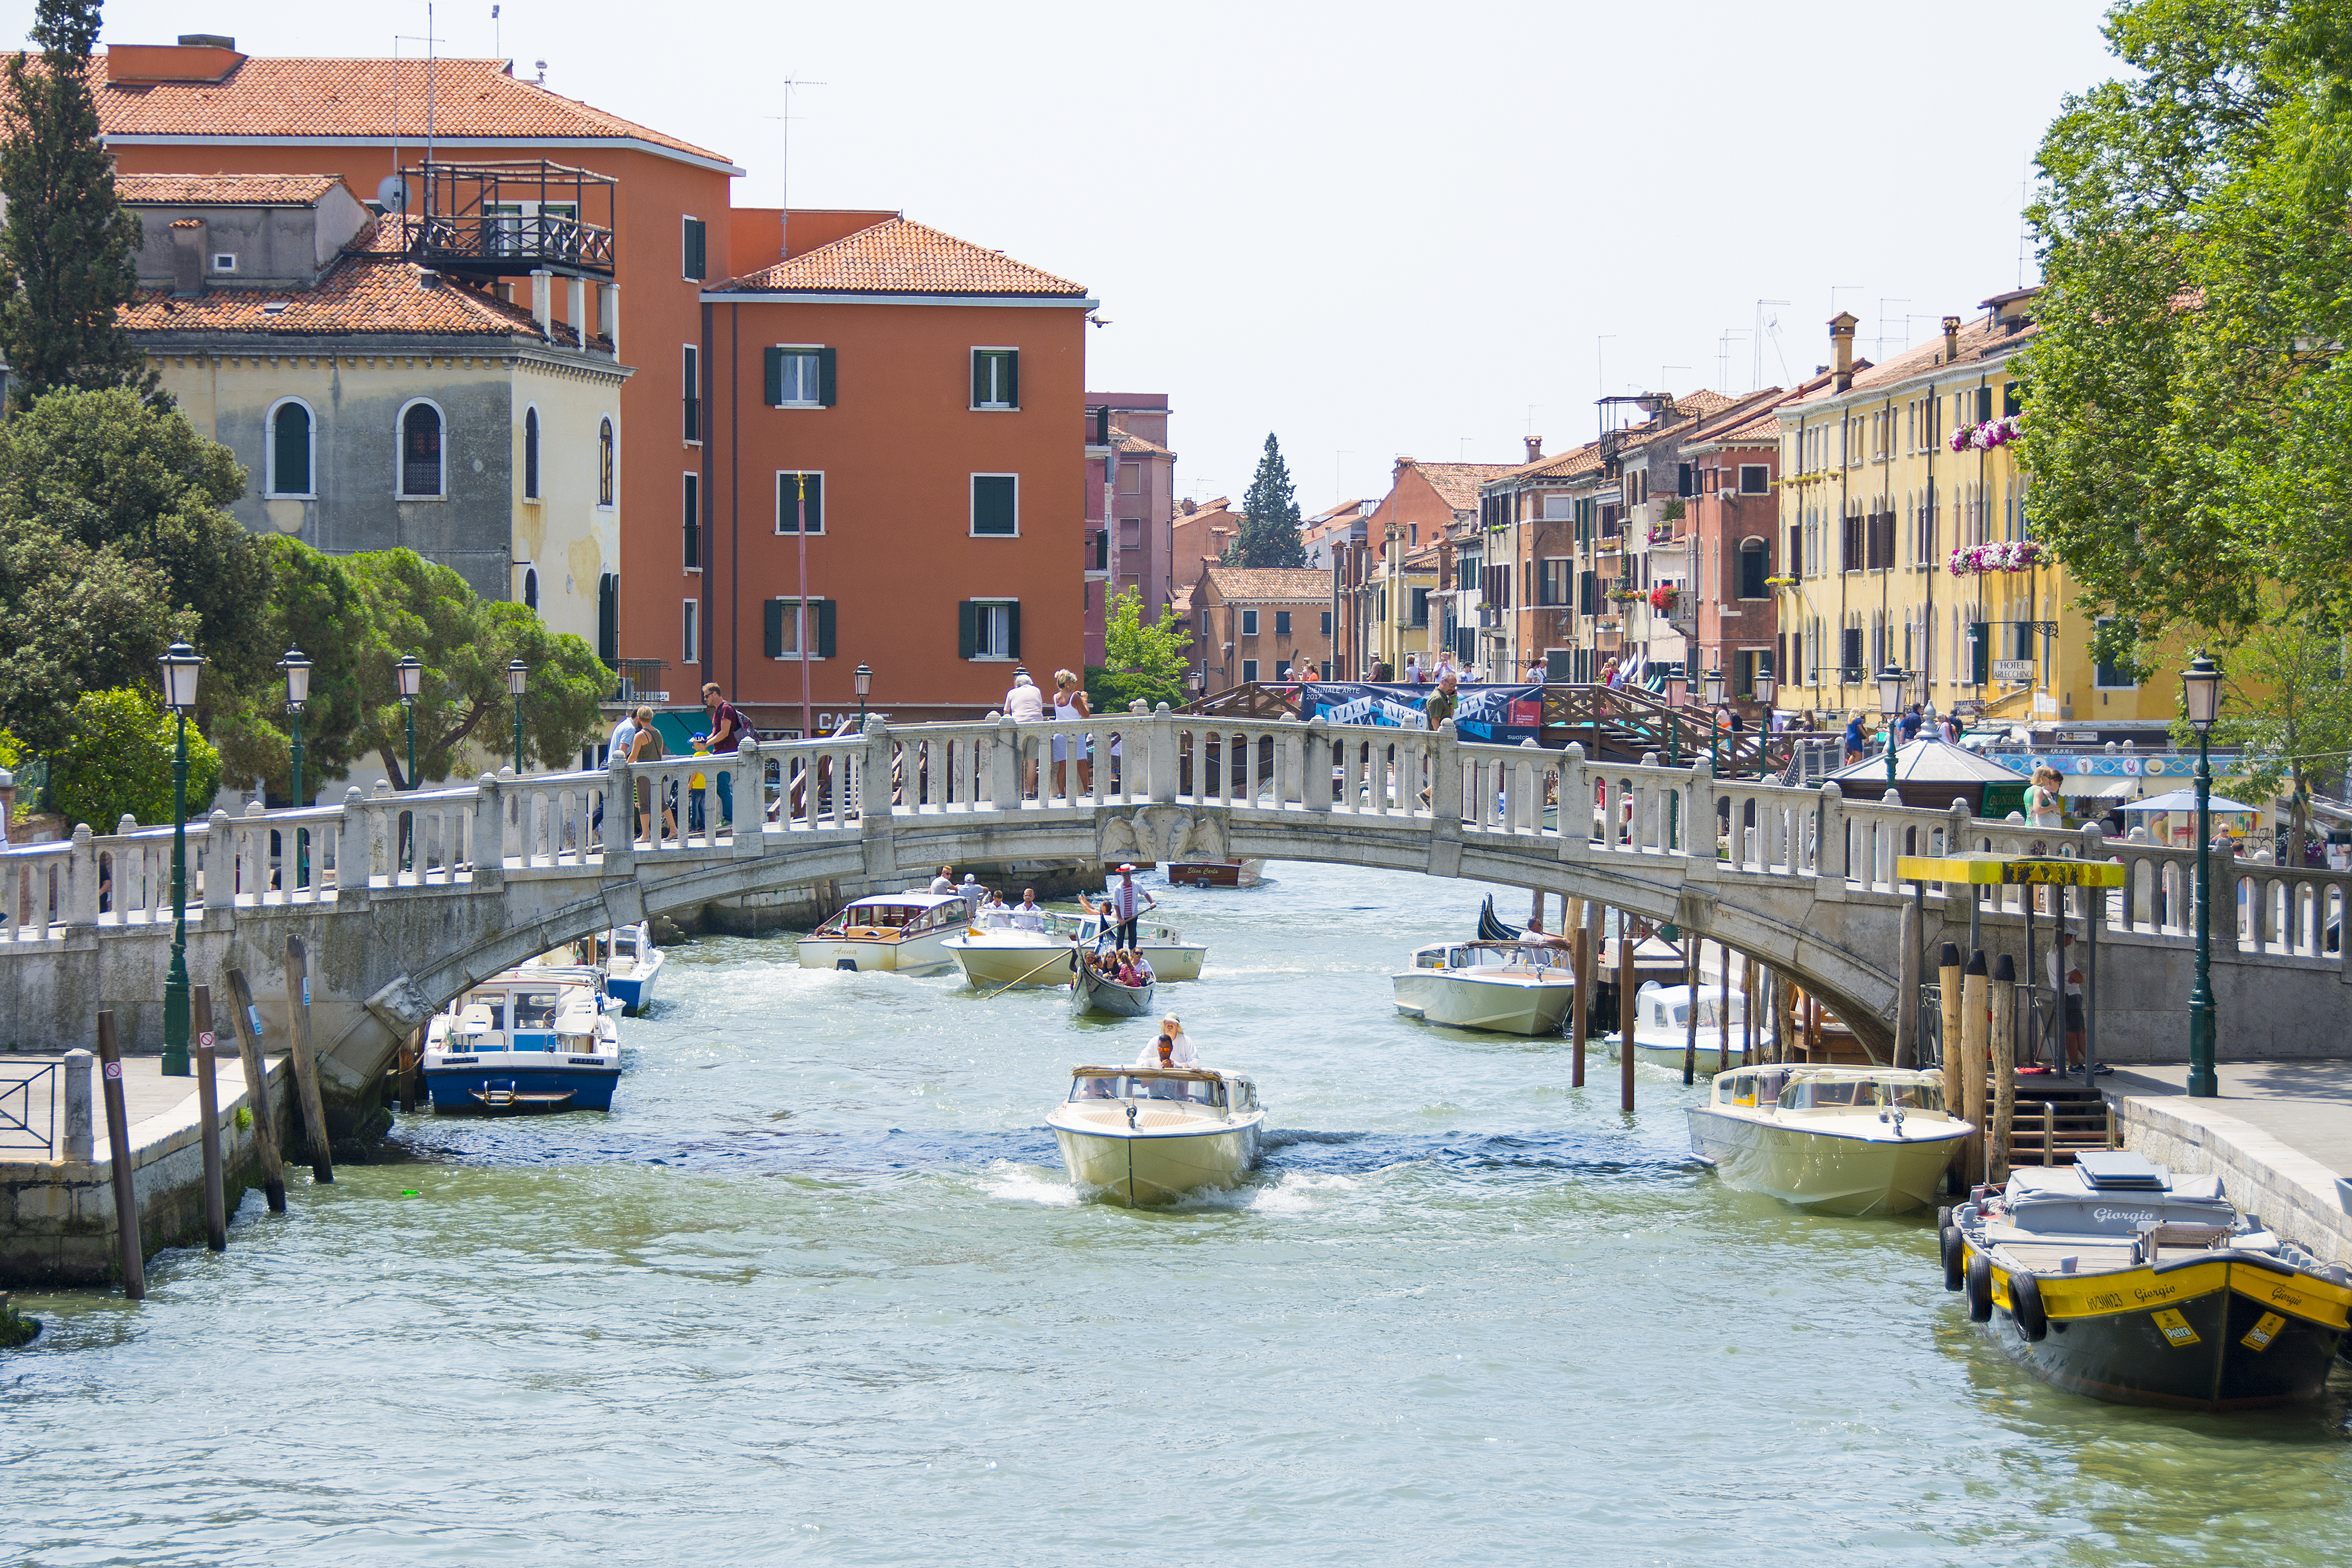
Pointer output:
1269, 532
309, 601
465, 644
2287, 710
80, 620
67, 251
120, 759
2190, 431
1140, 662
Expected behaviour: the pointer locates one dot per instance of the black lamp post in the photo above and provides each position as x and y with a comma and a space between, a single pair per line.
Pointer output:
518, 682
410, 675
180, 667
1200, 680
2201, 692
1712, 685
865, 679
297, 692
1891, 682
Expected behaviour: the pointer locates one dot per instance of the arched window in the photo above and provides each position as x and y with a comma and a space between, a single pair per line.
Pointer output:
530, 454
420, 451
531, 587
1753, 563
289, 463
604, 464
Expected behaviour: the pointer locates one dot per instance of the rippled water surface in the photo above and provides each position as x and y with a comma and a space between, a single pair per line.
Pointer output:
817, 1291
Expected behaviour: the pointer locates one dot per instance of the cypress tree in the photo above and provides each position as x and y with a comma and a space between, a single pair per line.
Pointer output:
1269, 531
68, 254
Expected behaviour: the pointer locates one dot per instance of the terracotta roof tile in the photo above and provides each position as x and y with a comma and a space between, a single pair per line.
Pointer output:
370, 288
1457, 482
223, 189
902, 256
1270, 581
1979, 339
473, 100
1127, 443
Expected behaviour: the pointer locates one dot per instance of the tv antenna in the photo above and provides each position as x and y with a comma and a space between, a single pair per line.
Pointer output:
784, 176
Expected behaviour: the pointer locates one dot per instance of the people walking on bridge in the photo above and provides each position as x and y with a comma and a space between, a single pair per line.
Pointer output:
727, 733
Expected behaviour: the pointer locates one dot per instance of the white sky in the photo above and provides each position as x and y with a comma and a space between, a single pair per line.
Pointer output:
1371, 228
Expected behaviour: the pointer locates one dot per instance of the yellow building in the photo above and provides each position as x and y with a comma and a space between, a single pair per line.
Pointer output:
1903, 510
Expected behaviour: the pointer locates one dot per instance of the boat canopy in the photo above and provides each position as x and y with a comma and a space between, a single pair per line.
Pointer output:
895, 912
1799, 1088
1489, 954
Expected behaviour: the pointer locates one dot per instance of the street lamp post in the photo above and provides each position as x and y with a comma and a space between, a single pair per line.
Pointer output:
1891, 682
865, 679
518, 682
1768, 686
410, 673
297, 692
180, 667
2200, 690
1712, 685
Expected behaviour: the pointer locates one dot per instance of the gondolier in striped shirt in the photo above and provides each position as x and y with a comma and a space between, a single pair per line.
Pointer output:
1120, 911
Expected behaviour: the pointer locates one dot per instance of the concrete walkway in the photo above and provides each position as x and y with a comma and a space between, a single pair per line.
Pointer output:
2279, 1135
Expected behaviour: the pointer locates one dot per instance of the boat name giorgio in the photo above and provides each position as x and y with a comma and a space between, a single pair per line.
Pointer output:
2134, 1215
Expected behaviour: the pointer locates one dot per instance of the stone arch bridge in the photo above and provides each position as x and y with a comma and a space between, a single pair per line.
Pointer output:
403, 900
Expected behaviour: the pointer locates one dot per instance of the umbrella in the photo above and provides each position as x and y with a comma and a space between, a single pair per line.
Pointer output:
2186, 800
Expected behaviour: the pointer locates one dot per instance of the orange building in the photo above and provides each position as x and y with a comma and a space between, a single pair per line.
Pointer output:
919, 403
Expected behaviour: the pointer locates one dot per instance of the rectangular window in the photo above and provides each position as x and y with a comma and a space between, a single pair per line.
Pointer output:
988, 629
1754, 564
692, 249
1327, 669
1420, 607
1557, 508
692, 381
1979, 635
690, 522
788, 620
2105, 676
1249, 670
1282, 622
1249, 622
690, 624
799, 493
1755, 479
996, 504
1850, 654
1327, 622
799, 377
997, 377
1130, 478
1553, 586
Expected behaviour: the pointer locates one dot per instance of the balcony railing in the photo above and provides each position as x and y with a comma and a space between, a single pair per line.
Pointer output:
510, 243
641, 681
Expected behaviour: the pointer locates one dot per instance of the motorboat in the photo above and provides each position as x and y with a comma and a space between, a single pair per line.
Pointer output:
904, 932
1837, 1140
2118, 1278
1215, 874
532, 1038
1662, 1026
1510, 987
632, 965
1005, 957
1149, 1135
1092, 991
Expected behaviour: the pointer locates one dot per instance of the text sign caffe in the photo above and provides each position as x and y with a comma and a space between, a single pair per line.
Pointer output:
2100, 764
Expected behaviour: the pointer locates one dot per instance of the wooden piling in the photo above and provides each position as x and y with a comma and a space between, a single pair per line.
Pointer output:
1784, 1017
246, 1020
1625, 1012
412, 1053
305, 1065
1751, 991
1578, 1007
200, 1008
2002, 1036
1948, 977
118, 1144
1690, 1024
1973, 985
1907, 987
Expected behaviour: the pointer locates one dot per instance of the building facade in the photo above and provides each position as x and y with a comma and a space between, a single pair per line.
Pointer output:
1257, 623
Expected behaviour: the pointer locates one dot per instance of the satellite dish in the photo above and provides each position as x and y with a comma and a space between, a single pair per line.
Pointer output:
392, 194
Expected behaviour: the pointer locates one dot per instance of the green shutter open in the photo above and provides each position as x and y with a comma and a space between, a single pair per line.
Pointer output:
775, 366
1012, 377
824, 390
824, 628
967, 629
775, 627
1013, 630
979, 378
695, 255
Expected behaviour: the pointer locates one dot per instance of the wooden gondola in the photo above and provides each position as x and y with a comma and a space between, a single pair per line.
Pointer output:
1491, 927
1097, 993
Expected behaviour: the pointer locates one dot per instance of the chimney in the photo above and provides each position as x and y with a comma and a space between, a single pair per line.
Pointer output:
1842, 326
1951, 339
187, 256
1534, 447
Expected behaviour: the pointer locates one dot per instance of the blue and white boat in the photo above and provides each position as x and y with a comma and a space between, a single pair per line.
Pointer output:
632, 965
529, 1039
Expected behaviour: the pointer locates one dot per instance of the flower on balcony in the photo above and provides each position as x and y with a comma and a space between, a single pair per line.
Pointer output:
1987, 436
1661, 596
2000, 555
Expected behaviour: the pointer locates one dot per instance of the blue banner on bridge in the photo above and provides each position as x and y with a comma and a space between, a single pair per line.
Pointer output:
1499, 716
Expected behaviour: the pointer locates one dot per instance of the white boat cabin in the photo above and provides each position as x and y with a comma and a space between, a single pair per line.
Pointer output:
550, 1014
1495, 956
1669, 1008
1220, 1092
896, 916
1801, 1088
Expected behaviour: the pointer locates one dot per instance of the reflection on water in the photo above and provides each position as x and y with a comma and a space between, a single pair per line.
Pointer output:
817, 1291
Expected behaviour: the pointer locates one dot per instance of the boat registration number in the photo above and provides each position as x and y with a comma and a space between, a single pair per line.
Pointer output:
2267, 1329
2175, 1328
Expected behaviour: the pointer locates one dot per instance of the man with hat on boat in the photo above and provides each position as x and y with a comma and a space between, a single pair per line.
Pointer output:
1121, 909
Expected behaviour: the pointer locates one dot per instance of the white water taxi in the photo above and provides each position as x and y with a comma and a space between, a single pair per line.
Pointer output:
1840, 1140
1004, 956
897, 931
1662, 1020
530, 1038
632, 965
1149, 1134
1511, 988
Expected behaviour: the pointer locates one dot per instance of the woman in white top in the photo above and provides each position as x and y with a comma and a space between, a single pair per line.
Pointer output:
2041, 801
1069, 703
1183, 1055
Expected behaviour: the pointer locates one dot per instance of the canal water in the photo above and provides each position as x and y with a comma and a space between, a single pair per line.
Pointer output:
817, 1293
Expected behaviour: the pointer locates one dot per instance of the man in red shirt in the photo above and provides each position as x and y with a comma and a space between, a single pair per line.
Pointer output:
727, 731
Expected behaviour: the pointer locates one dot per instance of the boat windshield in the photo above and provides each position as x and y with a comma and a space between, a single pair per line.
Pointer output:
1146, 1086
1829, 1093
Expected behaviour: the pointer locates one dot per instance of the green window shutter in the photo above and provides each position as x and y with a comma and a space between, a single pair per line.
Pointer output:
1013, 630
995, 505
825, 393
775, 364
1012, 378
1979, 652
694, 248
1282, 622
775, 627
979, 378
292, 469
816, 483
967, 629
824, 628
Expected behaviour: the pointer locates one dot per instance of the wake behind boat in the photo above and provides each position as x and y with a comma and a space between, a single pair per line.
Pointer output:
1149, 1135
2114, 1278
1839, 1140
